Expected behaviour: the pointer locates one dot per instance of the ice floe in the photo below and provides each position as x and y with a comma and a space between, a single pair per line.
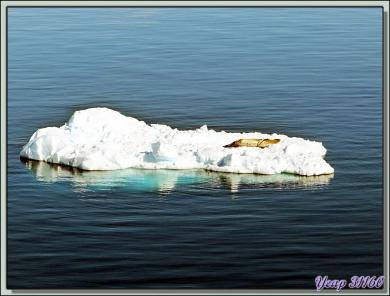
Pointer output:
104, 139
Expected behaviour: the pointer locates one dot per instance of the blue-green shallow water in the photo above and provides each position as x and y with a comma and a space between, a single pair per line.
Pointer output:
313, 73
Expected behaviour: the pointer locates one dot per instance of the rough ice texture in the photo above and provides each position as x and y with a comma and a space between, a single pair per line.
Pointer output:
104, 139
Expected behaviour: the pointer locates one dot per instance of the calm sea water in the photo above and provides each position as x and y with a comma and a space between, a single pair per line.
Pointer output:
313, 73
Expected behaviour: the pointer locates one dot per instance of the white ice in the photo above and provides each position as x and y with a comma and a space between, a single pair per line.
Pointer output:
104, 139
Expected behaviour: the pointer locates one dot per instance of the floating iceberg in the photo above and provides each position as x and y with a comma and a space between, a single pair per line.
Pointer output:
104, 139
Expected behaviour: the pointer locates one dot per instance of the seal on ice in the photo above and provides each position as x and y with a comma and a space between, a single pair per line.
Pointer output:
260, 143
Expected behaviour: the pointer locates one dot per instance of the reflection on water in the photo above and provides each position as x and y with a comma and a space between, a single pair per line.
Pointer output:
165, 181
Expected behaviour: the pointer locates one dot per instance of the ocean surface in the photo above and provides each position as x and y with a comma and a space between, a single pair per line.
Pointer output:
314, 73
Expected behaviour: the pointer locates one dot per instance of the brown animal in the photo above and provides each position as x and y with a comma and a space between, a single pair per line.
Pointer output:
260, 143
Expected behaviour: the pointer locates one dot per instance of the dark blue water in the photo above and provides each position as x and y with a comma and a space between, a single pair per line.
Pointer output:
313, 73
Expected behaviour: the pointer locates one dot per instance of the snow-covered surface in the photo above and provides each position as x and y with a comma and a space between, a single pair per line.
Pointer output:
104, 139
